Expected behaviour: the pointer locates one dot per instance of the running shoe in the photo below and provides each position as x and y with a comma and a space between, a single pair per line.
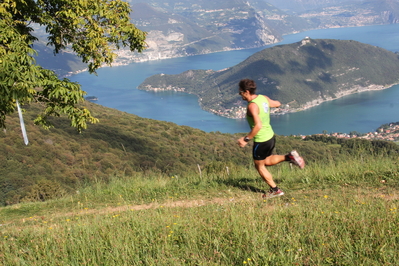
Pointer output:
273, 194
296, 159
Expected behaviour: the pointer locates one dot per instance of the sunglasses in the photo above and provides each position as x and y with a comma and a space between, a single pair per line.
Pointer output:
241, 92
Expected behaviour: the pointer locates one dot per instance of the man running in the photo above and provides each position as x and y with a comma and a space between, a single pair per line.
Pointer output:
258, 117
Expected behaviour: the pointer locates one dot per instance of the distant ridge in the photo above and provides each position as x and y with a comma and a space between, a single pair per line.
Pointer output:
300, 75
183, 28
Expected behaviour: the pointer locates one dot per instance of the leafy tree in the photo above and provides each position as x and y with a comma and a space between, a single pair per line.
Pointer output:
93, 29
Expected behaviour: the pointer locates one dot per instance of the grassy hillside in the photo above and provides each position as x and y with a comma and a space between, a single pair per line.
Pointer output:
342, 211
120, 144
59, 161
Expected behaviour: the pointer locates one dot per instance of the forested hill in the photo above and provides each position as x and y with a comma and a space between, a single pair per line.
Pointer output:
299, 74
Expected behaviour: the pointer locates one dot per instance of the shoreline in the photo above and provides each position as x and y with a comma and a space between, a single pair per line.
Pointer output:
357, 89
240, 111
132, 60
314, 103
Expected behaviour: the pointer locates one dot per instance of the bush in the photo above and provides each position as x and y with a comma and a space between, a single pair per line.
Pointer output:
44, 190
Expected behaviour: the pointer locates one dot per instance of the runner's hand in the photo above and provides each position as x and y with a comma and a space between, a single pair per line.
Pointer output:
241, 142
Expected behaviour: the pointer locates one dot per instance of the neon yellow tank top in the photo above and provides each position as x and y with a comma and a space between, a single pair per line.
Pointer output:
266, 132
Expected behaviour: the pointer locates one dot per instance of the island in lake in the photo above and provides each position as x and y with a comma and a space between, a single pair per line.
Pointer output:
300, 75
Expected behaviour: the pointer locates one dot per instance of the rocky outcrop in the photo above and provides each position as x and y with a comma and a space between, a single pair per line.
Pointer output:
188, 29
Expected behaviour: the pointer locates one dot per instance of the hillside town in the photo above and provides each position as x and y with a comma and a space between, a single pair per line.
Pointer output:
389, 132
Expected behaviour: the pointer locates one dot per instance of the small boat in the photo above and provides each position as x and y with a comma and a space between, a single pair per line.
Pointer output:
91, 98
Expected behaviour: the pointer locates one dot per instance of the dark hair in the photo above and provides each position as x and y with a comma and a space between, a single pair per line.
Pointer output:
247, 85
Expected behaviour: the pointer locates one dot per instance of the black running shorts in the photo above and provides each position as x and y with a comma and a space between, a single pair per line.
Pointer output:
261, 150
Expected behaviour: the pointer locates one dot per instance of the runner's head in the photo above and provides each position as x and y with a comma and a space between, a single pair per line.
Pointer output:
247, 85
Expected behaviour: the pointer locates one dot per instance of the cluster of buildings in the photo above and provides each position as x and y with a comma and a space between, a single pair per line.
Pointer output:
389, 133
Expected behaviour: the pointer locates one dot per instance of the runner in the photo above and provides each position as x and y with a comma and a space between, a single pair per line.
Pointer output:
258, 117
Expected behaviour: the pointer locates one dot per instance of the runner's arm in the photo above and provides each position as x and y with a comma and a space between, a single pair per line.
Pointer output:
253, 111
273, 103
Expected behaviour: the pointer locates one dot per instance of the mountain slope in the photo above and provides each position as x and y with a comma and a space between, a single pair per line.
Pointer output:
60, 160
299, 75
183, 28
177, 29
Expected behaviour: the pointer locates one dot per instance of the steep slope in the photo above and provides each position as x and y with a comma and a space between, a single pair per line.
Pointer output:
177, 29
183, 28
59, 161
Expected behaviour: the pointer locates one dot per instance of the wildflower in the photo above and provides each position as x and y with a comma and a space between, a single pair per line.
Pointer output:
325, 196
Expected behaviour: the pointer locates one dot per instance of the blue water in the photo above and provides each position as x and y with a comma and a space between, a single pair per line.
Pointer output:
116, 87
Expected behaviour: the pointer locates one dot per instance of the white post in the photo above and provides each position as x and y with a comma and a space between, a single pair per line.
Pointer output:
21, 120
199, 169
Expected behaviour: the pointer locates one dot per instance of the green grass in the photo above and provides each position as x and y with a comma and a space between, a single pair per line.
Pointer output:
340, 213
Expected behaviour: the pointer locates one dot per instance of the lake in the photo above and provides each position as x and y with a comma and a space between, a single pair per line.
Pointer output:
116, 87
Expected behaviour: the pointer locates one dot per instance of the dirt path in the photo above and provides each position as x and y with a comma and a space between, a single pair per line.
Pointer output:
168, 204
